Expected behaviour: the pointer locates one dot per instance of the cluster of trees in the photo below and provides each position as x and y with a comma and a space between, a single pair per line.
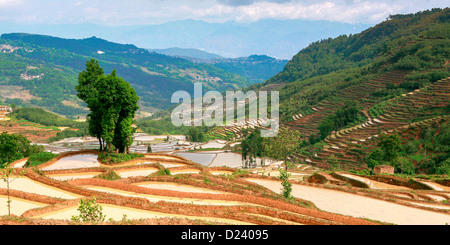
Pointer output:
279, 147
197, 134
14, 147
162, 126
112, 103
339, 119
252, 146
433, 143
387, 152
392, 151
41, 116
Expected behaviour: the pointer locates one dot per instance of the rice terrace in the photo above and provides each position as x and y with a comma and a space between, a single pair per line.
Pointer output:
190, 193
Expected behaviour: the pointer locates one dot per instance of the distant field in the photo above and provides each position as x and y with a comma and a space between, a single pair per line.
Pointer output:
16, 92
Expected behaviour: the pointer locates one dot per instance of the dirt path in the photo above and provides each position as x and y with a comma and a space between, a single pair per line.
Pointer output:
434, 185
359, 206
375, 184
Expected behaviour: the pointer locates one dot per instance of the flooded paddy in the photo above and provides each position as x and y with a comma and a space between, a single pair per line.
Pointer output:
117, 213
157, 198
76, 161
27, 185
203, 158
65, 177
135, 172
18, 205
176, 187
216, 158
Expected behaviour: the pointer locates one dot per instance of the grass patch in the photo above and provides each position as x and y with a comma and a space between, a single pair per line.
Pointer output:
106, 157
418, 157
39, 158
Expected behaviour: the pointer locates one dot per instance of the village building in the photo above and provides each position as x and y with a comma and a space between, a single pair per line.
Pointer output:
4, 111
383, 169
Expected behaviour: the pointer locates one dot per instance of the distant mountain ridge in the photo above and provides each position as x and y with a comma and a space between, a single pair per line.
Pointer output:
57, 62
256, 68
187, 53
276, 38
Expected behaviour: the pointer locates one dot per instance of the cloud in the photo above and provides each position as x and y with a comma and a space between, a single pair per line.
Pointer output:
348, 11
119, 12
361, 11
247, 2
9, 3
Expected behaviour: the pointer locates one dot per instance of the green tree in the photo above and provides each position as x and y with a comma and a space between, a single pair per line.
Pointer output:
403, 165
252, 147
88, 92
390, 145
283, 145
196, 134
14, 147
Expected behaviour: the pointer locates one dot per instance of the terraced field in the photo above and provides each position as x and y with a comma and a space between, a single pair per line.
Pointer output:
194, 194
417, 108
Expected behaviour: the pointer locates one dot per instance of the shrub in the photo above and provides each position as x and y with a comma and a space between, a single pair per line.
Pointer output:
164, 171
90, 211
106, 157
110, 175
287, 186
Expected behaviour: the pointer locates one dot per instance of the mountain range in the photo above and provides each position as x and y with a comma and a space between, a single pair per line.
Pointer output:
42, 70
281, 39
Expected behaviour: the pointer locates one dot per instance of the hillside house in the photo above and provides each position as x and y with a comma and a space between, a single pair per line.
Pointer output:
27, 77
4, 111
383, 169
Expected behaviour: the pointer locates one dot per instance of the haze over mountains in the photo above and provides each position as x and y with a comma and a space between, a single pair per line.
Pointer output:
276, 38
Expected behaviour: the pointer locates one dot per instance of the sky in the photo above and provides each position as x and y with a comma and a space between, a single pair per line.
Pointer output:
141, 12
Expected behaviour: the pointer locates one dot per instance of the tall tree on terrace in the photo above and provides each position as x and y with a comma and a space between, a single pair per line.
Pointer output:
121, 106
283, 145
113, 103
88, 92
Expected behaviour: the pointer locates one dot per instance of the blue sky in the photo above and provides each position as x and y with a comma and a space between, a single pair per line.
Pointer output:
132, 12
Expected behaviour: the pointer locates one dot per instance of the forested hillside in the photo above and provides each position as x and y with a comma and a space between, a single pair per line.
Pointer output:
42, 71
344, 95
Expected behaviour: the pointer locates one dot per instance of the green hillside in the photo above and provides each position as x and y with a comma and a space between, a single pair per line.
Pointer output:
44, 70
344, 94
